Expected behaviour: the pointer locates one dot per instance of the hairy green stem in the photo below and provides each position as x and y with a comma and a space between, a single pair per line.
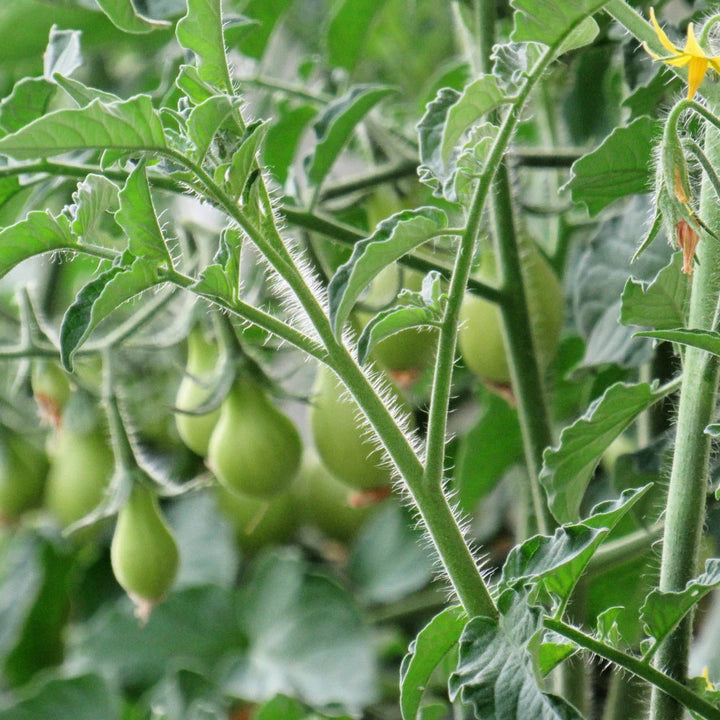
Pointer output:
670, 687
437, 424
685, 506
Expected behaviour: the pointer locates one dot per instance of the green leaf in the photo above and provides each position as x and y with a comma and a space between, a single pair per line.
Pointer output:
497, 669
487, 451
282, 138
81, 93
195, 625
661, 304
559, 560
551, 21
392, 321
708, 340
426, 651
265, 14
87, 697
28, 101
244, 160
95, 198
122, 14
662, 611
394, 237
206, 541
349, 26
447, 117
201, 31
280, 708
620, 166
206, 119
21, 578
388, 561
553, 650
98, 299
213, 281
306, 639
336, 124
38, 233
63, 53
568, 468
138, 219
132, 125
644, 100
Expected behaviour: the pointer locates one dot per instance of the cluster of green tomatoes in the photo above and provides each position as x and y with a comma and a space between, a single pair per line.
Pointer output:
269, 481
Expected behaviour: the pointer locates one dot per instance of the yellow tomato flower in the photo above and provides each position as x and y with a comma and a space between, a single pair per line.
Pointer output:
693, 56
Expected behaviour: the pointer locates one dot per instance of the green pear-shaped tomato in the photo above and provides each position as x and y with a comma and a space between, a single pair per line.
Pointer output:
342, 440
23, 468
323, 502
80, 470
481, 338
195, 430
412, 349
143, 552
258, 523
51, 389
254, 449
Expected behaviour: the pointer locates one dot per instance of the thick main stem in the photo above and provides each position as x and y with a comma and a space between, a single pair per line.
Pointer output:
685, 512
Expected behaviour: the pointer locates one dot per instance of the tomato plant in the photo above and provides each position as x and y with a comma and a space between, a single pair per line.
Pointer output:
374, 346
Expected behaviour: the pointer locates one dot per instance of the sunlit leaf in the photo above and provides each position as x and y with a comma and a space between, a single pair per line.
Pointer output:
86, 697
620, 166
138, 219
306, 638
38, 233
63, 53
661, 304
201, 30
426, 651
708, 340
559, 560
94, 199
132, 125
349, 26
551, 21
123, 15
98, 299
447, 117
336, 124
28, 101
568, 467
663, 610
497, 669
394, 237
265, 14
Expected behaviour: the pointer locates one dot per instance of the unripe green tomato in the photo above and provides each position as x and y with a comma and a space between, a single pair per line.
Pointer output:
254, 449
50, 387
143, 553
481, 338
323, 501
23, 468
340, 438
259, 523
195, 430
80, 470
412, 349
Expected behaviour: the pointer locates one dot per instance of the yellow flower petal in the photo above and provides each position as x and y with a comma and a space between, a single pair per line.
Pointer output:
691, 44
696, 73
715, 63
679, 61
662, 37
